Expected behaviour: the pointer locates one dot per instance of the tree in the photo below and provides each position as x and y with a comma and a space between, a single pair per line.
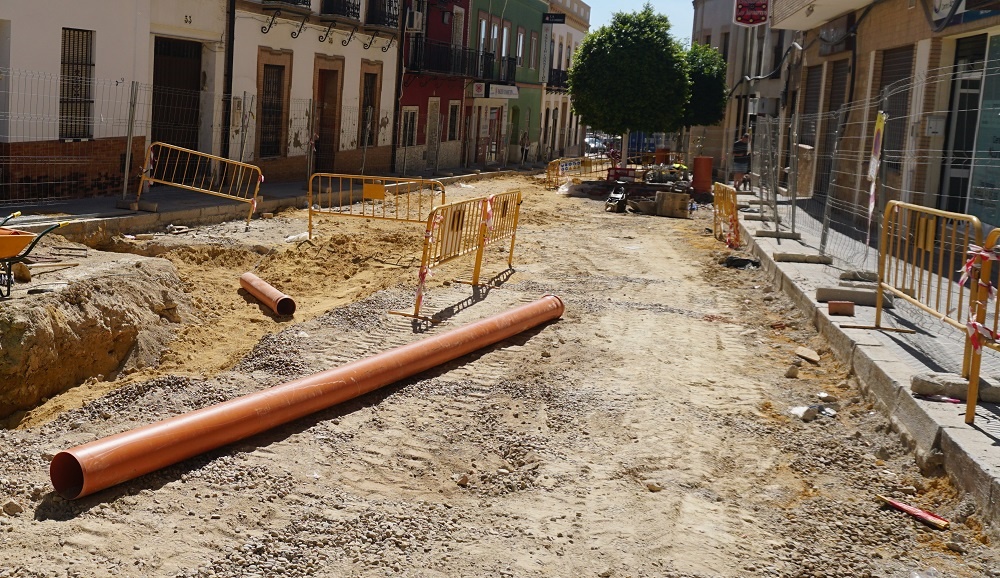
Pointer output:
631, 75
707, 105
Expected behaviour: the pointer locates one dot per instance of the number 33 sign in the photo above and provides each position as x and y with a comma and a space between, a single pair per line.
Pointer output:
750, 13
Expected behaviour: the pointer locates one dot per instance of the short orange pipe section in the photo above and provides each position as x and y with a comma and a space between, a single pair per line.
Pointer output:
275, 300
105, 462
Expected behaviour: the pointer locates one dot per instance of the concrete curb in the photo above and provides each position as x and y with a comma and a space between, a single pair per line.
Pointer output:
936, 433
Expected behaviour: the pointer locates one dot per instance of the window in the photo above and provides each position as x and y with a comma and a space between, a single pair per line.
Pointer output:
482, 35
505, 44
533, 52
409, 126
708, 40
272, 107
454, 109
558, 61
494, 37
724, 48
897, 66
520, 47
457, 26
76, 91
368, 125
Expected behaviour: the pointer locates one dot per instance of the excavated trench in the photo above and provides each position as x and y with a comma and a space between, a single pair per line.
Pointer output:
135, 309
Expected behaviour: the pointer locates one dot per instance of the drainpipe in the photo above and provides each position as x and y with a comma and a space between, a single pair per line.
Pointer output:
227, 79
102, 463
266, 293
396, 105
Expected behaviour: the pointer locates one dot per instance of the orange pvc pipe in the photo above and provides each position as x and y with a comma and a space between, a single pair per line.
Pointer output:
105, 462
275, 300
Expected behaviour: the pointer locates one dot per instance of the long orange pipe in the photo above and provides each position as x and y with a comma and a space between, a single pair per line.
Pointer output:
275, 300
105, 462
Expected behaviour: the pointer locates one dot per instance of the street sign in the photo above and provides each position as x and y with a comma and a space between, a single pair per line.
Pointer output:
553, 18
750, 12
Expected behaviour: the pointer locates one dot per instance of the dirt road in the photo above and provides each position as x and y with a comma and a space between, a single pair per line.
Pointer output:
646, 433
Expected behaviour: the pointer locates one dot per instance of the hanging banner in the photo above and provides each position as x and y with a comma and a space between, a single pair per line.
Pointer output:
876, 145
750, 12
543, 63
877, 138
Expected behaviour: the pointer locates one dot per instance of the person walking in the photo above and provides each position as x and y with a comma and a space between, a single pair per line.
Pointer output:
741, 161
525, 145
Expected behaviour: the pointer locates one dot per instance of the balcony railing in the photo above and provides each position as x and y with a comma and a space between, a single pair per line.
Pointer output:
440, 57
558, 78
383, 13
507, 69
443, 58
349, 9
307, 4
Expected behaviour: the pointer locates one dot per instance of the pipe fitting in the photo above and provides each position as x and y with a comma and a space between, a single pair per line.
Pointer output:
275, 300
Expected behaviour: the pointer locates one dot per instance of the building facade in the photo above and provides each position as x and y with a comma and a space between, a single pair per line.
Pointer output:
562, 134
292, 86
505, 36
757, 59
933, 72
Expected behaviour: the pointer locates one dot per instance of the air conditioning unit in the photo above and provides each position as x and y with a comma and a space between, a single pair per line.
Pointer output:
415, 21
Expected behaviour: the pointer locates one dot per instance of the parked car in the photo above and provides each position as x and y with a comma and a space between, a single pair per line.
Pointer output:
593, 145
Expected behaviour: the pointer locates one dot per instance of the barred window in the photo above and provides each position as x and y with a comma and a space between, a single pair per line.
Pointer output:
409, 126
76, 84
272, 109
454, 109
369, 109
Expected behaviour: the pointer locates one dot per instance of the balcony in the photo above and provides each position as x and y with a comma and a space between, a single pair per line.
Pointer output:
296, 6
340, 10
429, 56
558, 79
440, 58
810, 14
383, 14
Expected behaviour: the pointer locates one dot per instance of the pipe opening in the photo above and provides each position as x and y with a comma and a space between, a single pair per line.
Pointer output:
285, 306
67, 475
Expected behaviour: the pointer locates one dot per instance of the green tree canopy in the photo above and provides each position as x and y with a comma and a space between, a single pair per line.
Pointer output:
707, 105
631, 75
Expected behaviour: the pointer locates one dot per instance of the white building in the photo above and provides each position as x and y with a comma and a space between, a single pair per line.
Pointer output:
296, 69
562, 134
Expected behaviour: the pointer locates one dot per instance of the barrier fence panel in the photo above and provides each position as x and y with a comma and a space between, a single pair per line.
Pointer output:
462, 228
727, 223
201, 172
391, 198
983, 326
559, 169
921, 248
501, 213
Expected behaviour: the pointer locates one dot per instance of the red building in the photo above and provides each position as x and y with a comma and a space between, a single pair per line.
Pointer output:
437, 69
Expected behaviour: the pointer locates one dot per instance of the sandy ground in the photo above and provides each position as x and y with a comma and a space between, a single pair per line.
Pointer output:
646, 433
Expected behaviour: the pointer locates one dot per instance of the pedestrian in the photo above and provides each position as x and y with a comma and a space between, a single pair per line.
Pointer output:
525, 145
741, 161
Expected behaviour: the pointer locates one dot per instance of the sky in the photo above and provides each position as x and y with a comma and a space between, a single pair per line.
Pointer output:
680, 13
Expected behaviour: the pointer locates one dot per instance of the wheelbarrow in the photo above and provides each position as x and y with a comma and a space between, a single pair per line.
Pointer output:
15, 245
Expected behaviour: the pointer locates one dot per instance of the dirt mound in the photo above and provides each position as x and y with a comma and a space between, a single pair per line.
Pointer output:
115, 317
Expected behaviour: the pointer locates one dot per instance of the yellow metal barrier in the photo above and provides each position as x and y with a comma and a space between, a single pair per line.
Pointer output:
984, 312
921, 248
461, 228
196, 171
559, 169
501, 213
398, 199
727, 223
